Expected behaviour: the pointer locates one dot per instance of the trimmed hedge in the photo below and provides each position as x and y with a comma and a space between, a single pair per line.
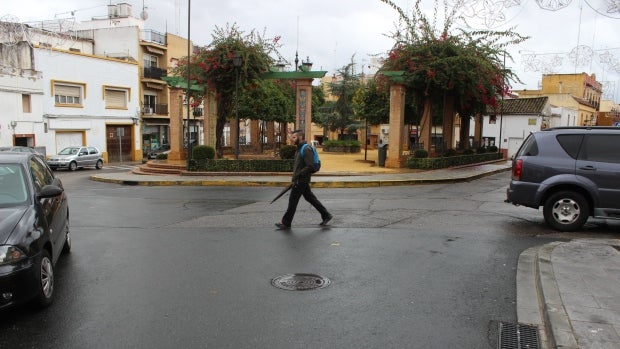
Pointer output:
443, 162
225, 165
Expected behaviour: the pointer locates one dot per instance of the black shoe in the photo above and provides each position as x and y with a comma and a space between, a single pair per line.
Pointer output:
283, 226
326, 220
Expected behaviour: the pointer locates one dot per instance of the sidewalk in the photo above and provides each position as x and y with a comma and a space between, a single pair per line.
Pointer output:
569, 290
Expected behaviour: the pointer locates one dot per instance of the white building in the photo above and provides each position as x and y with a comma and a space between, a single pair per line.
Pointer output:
514, 121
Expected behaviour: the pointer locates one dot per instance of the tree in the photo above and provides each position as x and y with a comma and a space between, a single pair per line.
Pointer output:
457, 71
339, 115
213, 66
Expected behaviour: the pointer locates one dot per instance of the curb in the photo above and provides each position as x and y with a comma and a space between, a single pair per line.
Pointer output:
556, 322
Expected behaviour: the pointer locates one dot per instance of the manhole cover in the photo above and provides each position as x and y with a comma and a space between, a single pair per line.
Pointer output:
300, 282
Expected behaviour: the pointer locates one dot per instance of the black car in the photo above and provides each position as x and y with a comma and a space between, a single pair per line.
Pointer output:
572, 172
34, 229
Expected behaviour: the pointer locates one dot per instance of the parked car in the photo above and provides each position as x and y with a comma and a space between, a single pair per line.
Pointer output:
34, 229
76, 157
163, 149
572, 172
21, 149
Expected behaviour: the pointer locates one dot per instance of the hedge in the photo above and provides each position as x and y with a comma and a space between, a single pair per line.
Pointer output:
443, 162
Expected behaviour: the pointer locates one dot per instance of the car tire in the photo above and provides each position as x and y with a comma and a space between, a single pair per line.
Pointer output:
566, 211
73, 166
99, 165
66, 248
45, 282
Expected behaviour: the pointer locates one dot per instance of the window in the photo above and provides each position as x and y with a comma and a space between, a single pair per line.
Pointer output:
26, 104
150, 61
116, 98
41, 176
68, 94
601, 148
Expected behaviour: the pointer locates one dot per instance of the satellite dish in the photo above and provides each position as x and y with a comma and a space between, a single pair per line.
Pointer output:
144, 15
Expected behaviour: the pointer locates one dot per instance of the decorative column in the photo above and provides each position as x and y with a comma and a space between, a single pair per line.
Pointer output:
210, 119
426, 126
478, 120
397, 121
176, 124
254, 136
303, 114
448, 122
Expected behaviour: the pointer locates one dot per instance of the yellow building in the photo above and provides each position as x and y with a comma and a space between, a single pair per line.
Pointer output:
580, 92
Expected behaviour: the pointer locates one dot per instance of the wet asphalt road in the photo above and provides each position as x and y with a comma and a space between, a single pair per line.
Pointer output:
429, 266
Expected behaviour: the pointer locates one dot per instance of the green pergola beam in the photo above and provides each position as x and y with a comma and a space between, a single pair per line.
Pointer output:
300, 74
180, 82
396, 76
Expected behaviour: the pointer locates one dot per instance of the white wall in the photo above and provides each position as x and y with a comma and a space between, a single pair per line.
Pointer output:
93, 117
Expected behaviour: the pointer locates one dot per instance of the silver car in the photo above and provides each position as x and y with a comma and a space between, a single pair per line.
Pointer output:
76, 157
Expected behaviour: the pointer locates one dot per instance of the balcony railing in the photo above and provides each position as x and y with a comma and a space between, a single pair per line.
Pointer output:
153, 36
198, 112
155, 73
158, 109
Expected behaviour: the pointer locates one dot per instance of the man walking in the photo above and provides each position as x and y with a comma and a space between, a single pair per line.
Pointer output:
302, 172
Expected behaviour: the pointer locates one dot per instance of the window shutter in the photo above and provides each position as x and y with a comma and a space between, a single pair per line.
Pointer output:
115, 98
66, 90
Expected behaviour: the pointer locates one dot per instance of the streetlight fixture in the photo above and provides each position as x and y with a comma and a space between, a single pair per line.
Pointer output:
237, 62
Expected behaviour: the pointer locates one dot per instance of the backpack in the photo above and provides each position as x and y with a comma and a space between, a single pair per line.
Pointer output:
316, 161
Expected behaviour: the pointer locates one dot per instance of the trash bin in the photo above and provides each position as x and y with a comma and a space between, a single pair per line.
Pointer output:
382, 154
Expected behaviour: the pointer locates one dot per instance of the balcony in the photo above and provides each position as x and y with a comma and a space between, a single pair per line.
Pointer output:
155, 109
154, 73
154, 37
198, 112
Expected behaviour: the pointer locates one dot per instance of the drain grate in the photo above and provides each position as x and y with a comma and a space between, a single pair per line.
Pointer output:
300, 282
518, 336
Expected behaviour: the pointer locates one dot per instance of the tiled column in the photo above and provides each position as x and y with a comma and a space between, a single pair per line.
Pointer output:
303, 114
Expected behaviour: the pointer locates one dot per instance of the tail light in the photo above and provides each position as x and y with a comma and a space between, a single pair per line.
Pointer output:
517, 168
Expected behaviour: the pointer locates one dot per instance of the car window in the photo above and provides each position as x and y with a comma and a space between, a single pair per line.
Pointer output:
12, 185
570, 144
41, 175
529, 147
92, 150
602, 148
69, 151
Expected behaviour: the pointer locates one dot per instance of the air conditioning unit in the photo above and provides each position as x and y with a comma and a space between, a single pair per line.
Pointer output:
384, 130
148, 110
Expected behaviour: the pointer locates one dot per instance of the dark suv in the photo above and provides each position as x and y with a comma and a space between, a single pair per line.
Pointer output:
573, 172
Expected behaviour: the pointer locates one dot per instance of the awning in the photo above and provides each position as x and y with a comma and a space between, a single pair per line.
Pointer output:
155, 86
155, 50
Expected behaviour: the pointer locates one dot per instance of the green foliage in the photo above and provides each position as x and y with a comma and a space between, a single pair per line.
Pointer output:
161, 156
465, 65
202, 152
449, 152
481, 150
443, 162
287, 151
492, 149
343, 143
213, 66
268, 100
420, 154
227, 165
468, 151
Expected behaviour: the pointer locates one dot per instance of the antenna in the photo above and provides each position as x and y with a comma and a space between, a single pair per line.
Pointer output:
144, 15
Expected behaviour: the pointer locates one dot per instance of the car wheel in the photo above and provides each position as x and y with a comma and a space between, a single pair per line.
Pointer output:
73, 166
99, 164
66, 248
566, 211
45, 273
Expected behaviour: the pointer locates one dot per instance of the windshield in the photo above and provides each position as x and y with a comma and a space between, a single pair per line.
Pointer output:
69, 151
12, 185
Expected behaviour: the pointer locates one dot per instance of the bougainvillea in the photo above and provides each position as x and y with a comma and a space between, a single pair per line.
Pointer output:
213, 67
466, 65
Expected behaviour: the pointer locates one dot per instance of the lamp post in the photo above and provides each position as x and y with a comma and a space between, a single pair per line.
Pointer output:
189, 143
237, 62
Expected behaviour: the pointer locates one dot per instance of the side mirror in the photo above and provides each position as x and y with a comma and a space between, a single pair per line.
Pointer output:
49, 191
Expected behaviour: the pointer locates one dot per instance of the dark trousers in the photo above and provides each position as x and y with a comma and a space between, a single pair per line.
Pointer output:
299, 190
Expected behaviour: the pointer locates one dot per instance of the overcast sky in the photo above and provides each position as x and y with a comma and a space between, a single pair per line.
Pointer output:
580, 37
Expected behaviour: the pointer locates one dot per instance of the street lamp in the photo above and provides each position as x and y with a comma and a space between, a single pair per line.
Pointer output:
189, 143
237, 62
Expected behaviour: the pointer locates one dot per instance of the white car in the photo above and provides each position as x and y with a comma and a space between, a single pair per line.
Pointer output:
76, 157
